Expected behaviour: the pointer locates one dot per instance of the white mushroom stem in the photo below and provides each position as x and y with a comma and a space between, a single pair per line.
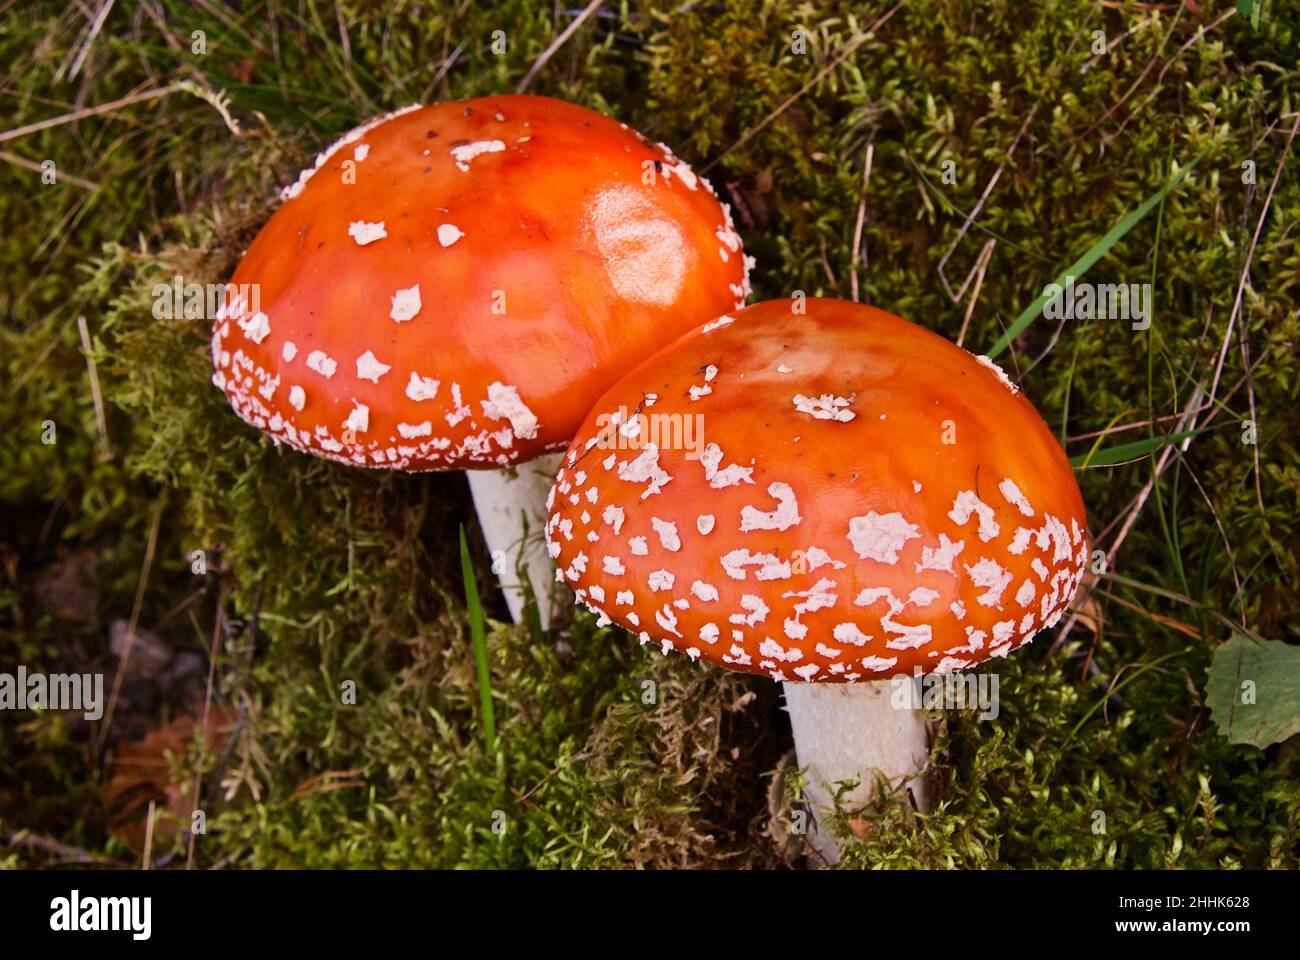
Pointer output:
502, 499
848, 731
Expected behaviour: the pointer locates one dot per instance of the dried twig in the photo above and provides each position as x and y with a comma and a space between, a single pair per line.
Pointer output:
558, 42
125, 658
95, 395
858, 252
85, 112
26, 164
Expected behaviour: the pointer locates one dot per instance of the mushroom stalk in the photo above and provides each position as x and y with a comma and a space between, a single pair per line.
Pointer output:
848, 731
504, 499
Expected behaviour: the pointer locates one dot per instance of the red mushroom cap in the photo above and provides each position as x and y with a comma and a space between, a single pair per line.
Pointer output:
828, 496
452, 286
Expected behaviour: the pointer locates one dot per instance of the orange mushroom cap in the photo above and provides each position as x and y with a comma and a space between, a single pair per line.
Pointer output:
451, 286
828, 496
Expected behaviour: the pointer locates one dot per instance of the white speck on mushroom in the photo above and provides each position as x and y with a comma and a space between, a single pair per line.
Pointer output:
704, 390
704, 591
704, 523
358, 420
878, 664
406, 304
289, 351
1015, 497
503, 403
614, 517
958, 609
322, 363
420, 388
717, 324
785, 515
466, 152
297, 397
879, 537
364, 233
645, 469
1020, 541
666, 530
361, 152
916, 486
369, 367
256, 327
782, 368
638, 547
849, 633
726, 477
942, 556
967, 503
755, 608
817, 597
613, 566
709, 633
1025, 595
922, 597
411, 431
1001, 374
826, 407
666, 618
770, 566
448, 234
623, 597
660, 580
988, 573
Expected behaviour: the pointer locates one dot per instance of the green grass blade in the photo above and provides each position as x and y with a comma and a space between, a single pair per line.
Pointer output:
478, 635
1115, 691
1094, 253
1129, 451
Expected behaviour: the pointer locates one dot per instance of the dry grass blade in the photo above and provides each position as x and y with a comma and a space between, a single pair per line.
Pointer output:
558, 42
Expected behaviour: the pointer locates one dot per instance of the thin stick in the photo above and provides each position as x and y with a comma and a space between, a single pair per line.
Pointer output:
89, 42
148, 837
203, 722
858, 252
68, 854
558, 42
100, 420
981, 265
133, 623
1250, 255
26, 164
81, 114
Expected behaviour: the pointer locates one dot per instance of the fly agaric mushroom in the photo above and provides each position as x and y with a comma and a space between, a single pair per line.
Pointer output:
451, 286
858, 499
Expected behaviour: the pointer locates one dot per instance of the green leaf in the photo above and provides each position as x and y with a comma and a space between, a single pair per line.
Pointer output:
1094, 253
1253, 691
477, 634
